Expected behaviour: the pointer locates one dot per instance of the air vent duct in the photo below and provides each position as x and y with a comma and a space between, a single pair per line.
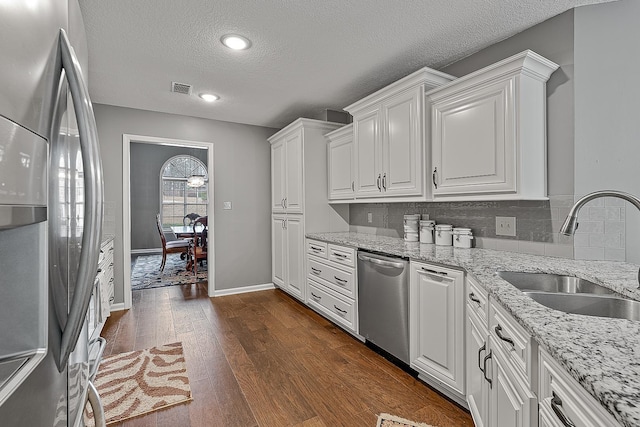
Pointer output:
181, 88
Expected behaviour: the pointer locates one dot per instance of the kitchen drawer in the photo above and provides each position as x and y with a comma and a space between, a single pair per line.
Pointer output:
514, 341
477, 300
339, 309
342, 255
317, 248
339, 280
571, 399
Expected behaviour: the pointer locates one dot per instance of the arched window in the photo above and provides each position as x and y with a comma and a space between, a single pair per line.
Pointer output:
177, 198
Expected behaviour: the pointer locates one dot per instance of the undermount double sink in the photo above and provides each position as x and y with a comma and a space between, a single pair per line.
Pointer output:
573, 295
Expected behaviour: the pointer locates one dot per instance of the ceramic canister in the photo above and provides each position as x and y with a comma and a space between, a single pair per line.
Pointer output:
426, 231
444, 235
462, 237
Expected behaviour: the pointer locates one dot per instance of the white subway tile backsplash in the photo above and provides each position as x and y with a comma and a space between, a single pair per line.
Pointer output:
534, 248
596, 240
507, 245
581, 240
597, 214
561, 251
613, 241
613, 227
590, 227
611, 254
589, 253
612, 213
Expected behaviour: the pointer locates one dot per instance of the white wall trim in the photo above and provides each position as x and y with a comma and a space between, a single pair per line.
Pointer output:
244, 289
117, 307
151, 251
127, 139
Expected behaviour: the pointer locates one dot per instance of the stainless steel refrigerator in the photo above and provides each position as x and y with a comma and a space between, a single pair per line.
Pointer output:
50, 215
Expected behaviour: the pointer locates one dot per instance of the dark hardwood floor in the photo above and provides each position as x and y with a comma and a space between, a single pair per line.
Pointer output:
263, 359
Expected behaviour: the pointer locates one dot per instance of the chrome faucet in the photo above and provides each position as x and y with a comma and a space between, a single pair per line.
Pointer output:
571, 223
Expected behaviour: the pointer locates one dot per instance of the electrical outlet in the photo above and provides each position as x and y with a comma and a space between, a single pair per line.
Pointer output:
227, 206
505, 226
369, 217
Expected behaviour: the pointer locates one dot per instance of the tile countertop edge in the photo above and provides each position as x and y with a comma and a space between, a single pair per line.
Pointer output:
602, 354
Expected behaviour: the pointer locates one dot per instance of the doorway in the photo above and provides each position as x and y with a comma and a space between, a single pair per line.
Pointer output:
127, 141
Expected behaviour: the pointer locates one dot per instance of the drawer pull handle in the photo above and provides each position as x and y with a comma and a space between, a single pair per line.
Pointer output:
556, 405
341, 281
340, 311
339, 255
480, 350
474, 298
99, 270
498, 330
484, 371
316, 296
316, 270
316, 249
439, 273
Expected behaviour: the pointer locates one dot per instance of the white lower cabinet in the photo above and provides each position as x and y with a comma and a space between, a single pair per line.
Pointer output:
477, 349
288, 254
332, 283
564, 402
512, 403
436, 327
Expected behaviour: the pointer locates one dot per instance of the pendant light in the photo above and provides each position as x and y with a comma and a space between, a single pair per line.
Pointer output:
194, 180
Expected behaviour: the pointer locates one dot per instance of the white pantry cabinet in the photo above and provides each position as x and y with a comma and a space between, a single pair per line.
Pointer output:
489, 132
436, 327
299, 199
389, 129
340, 164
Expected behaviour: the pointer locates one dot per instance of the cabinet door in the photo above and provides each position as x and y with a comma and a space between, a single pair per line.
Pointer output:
366, 134
294, 183
340, 158
512, 403
402, 153
294, 230
278, 173
473, 143
477, 386
278, 250
436, 314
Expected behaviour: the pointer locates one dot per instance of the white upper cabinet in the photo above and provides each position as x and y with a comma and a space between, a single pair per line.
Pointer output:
389, 130
286, 173
340, 162
489, 132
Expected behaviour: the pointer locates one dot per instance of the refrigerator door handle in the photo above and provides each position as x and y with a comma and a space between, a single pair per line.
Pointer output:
96, 405
93, 207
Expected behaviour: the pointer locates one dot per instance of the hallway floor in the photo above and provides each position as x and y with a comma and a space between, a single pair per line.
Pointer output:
263, 359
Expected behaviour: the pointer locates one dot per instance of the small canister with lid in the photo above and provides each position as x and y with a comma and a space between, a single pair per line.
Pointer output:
426, 231
462, 237
411, 228
444, 235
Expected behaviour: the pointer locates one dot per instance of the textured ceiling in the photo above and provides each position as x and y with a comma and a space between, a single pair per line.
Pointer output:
307, 55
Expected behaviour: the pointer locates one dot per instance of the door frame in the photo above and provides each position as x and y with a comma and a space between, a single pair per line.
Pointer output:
127, 139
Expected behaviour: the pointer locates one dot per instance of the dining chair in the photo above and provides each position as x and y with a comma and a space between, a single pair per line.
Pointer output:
198, 247
173, 247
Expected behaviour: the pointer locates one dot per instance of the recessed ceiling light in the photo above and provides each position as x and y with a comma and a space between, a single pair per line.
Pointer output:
235, 42
209, 97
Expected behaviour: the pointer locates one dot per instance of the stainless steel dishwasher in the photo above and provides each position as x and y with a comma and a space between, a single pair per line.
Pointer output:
383, 302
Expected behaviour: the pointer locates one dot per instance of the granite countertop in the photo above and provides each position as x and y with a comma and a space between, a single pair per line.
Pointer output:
602, 354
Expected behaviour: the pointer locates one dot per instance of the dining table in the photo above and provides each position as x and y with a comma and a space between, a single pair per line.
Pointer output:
186, 230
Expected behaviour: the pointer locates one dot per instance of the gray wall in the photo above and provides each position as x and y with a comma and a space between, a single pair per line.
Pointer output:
536, 221
607, 113
146, 162
242, 176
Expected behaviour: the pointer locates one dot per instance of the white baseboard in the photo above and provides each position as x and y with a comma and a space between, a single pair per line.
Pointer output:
243, 289
152, 251
117, 307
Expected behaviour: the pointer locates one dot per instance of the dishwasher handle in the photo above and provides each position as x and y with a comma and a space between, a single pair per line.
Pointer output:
381, 262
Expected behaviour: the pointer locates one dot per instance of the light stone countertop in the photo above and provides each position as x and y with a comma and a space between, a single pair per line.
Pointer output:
602, 354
